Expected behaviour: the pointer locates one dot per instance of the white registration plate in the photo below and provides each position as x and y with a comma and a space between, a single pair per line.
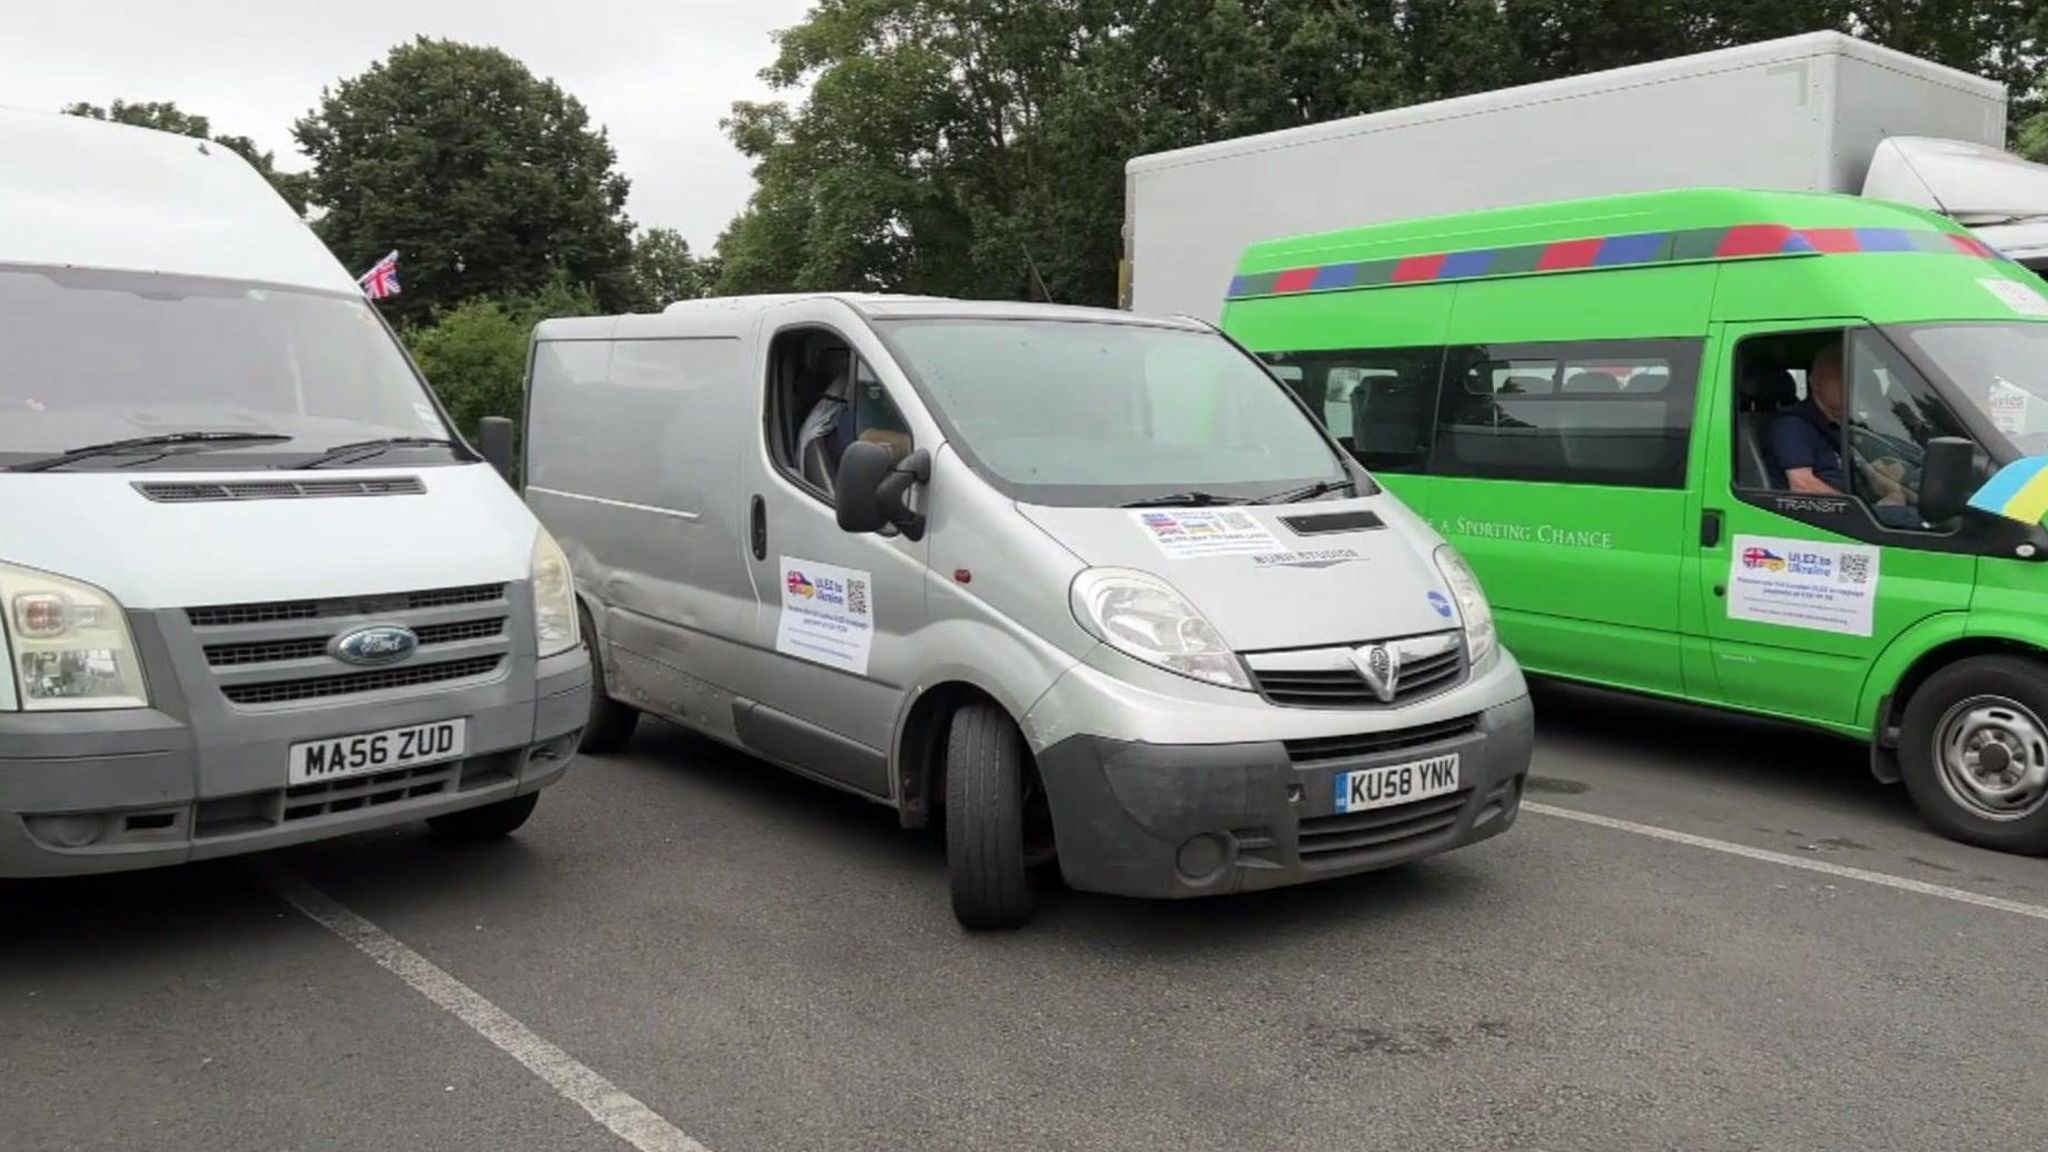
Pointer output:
1397, 783
372, 752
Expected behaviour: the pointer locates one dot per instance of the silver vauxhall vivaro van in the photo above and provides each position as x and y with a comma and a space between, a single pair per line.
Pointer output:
1092, 587
254, 589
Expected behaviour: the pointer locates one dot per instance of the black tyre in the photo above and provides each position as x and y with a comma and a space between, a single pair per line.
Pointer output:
490, 822
1974, 752
611, 723
987, 771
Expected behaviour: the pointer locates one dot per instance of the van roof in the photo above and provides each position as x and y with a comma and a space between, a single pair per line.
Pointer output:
1604, 233
733, 315
86, 194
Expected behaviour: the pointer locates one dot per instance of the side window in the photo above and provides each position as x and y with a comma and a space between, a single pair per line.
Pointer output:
1616, 413
1380, 403
821, 398
1892, 413
1835, 412
875, 415
1774, 426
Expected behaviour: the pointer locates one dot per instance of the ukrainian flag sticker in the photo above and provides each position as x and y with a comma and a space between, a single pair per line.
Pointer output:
2018, 492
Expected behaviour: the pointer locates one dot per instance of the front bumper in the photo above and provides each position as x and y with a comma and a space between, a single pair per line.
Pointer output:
1168, 821
101, 792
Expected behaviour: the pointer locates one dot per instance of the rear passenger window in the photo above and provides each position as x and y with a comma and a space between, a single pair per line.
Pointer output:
1380, 403
1613, 413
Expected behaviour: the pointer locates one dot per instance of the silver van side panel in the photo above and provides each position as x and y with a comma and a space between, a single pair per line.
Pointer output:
804, 704
632, 462
997, 629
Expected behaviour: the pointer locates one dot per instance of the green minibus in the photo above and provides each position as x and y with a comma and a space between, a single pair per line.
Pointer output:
1775, 452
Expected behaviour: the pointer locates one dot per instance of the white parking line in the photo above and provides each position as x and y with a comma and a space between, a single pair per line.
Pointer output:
1884, 879
627, 1117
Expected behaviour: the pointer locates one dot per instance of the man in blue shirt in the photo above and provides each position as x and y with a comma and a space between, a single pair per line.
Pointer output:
1804, 445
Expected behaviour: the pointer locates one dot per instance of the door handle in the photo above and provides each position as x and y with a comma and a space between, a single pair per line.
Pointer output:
1710, 528
758, 528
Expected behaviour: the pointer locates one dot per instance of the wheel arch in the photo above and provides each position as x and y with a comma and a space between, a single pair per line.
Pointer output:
921, 742
1914, 657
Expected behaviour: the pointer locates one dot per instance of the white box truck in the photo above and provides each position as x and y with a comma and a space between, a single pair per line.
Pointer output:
1822, 112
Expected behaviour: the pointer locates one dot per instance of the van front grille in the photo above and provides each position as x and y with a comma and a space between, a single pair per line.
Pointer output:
231, 615
383, 679
312, 647
283, 651
1328, 677
1324, 749
1359, 837
308, 800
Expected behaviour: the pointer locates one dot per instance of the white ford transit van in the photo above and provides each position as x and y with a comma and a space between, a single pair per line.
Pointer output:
1094, 586
254, 590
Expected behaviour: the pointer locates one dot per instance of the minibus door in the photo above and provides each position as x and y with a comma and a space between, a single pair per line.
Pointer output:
1803, 592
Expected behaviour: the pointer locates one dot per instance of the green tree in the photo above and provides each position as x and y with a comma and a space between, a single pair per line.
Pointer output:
474, 354
165, 116
483, 177
954, 146
666, 271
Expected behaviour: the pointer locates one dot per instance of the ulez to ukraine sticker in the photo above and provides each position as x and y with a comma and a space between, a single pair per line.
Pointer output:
1186, 533
1803, 584
828, 615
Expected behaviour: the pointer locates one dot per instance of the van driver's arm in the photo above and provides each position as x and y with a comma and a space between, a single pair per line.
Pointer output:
1803, 480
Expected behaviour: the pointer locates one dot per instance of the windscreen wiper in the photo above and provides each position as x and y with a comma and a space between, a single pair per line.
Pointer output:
176, 442
1309, 491
364, 449
1189, 499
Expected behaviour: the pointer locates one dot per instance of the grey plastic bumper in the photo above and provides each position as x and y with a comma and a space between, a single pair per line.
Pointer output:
1194, 820
83, 792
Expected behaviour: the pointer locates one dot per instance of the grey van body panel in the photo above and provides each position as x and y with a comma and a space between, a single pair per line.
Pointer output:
803, 532
982, 599
1349, 576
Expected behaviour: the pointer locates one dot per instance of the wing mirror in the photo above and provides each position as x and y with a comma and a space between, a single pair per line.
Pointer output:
871, 491
1948, 477
494, 444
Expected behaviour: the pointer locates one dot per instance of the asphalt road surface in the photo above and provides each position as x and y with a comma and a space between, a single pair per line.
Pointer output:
1752, 946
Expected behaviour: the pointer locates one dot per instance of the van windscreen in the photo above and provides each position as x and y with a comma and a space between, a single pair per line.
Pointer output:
1090, 412
2000, 369
93, 357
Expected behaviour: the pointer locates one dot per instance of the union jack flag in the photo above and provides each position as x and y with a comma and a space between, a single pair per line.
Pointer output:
382, 278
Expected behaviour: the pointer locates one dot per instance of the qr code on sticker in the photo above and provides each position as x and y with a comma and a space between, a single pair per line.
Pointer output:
1855, 568
856, 597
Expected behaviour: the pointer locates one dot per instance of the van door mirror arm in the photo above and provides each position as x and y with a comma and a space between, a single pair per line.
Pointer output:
893, 493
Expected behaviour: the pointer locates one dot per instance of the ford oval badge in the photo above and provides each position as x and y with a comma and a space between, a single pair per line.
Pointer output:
377, 644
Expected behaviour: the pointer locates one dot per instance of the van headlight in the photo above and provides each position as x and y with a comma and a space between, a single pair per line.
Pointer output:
67, 644
1144, 617
1480, 638
554, 597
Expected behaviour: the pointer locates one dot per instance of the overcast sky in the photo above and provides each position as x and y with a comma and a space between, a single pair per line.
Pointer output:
658, 73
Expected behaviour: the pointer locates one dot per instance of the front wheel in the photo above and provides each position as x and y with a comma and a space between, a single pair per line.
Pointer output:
490, 822
988, 773
609, 727
1974, 753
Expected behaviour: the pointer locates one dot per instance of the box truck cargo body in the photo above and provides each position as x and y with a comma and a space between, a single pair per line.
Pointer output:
1821, 112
